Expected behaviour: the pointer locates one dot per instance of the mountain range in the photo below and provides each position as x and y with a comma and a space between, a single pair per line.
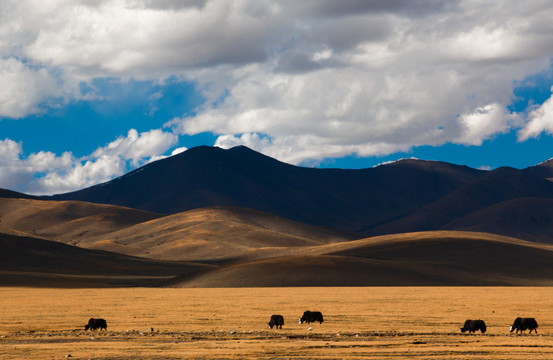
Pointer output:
404, 196
215, 217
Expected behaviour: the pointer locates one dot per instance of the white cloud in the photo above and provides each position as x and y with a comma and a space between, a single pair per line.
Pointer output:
416, 78
23, 90
9, 150
17, 172
540, 120
300, 81
178, 151
79, 175
47, 173
136, 147
484, 122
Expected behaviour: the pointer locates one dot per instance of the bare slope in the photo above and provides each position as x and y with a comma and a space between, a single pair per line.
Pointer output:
28, 261
220, 233
203, 234
67, 221
427, 258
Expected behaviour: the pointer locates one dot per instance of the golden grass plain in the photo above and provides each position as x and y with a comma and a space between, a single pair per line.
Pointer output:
225, 323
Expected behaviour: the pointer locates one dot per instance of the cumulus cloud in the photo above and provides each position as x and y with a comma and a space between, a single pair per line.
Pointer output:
484, 122
540, 120
17, 171
47, 173
366, 79
24, 89
299, 81
135, 147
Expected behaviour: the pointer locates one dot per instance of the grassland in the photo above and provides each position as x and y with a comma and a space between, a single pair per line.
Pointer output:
362, 322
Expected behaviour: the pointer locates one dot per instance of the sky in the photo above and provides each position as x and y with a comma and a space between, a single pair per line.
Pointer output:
92, 89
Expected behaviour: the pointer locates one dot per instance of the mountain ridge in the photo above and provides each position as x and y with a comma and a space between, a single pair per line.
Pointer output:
347, 200
402, 196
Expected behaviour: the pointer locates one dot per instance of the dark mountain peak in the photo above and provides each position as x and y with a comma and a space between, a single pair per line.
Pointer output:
427, 164
503, 170
506, 174
410, 167
405, 161
209, 155
546, 163
241, 149
543, 170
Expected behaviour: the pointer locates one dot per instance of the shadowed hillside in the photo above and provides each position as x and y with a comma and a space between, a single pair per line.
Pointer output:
27, 261
524, 218
493, 188
428, 258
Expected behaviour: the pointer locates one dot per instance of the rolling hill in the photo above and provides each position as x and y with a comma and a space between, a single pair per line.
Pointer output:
207, 234
439, 258
67, 221
242, 247
214, 234
28, 261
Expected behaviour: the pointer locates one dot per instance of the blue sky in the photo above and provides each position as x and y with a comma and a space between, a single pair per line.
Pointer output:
92, 90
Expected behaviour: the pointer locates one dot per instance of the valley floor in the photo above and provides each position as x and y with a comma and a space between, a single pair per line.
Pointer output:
361, 322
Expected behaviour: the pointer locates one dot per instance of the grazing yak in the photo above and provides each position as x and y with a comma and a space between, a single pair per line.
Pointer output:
523, 324
94, 324
276, 320
473, 325
311, 316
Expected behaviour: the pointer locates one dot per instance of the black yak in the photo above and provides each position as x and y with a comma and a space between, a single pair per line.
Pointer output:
311, 316
473, 325
276, 320
523, 324
94, 324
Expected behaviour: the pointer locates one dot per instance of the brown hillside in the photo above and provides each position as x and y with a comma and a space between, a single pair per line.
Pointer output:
67, 221
426, 258
214, 234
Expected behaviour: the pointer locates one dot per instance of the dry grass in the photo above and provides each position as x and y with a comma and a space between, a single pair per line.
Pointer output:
368, 322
